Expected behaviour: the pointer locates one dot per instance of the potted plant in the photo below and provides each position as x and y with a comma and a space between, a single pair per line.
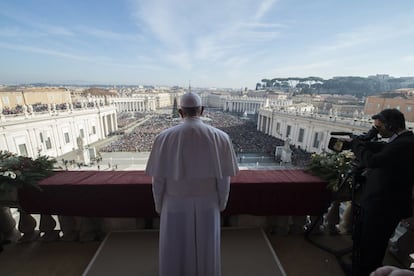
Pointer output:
333, 167
336, 169
17, 172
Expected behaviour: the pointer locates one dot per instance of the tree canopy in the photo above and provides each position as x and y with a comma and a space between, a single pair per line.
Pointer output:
358, 86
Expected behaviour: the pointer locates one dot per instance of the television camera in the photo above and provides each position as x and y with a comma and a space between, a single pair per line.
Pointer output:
340, 144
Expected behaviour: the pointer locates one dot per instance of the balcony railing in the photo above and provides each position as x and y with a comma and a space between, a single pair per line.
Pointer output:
82, 200
83, 205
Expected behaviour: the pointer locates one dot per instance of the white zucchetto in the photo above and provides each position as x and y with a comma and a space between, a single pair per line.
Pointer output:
190, 100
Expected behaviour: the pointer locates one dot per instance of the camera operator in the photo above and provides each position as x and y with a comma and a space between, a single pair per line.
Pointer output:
386, 194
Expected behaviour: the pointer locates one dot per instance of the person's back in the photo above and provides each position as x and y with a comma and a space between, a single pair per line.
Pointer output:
192, 149
191, 165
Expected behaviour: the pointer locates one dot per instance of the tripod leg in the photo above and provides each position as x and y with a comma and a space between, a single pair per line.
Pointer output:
345, 226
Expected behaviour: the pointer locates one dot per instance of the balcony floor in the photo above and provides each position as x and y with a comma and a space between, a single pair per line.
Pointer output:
298, 256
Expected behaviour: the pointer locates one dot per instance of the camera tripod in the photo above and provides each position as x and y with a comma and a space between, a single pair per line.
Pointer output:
352, 179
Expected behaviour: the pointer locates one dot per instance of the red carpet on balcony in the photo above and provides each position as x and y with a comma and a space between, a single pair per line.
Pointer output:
245, 252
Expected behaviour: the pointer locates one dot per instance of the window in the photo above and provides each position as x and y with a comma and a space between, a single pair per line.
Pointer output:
277, 127
48, 143
6, 101
301, 135
288, 130
19, 100
264, 122
93, 130
409, 108
23, 149
67, 139
82, 133
317, 139
41, 137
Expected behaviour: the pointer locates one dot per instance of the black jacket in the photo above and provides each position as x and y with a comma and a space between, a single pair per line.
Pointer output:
390, 174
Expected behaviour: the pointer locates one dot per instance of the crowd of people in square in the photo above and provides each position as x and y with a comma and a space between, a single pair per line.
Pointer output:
242, 131
142, 137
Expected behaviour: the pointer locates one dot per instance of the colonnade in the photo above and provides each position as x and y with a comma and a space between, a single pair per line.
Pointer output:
243, 106
131, 104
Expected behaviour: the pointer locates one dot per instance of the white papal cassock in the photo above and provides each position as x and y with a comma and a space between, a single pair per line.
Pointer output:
191, 165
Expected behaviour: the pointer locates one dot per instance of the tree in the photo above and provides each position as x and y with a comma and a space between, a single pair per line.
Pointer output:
175, 113
267, 83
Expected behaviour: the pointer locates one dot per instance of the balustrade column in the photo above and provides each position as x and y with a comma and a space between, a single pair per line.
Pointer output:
27, 226
8, 231
47, 227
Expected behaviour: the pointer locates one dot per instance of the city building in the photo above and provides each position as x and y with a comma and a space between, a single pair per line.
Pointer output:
401, 99
308, 130
54, 132
14, 98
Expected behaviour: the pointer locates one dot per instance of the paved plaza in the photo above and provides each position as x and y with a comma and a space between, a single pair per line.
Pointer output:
126, 161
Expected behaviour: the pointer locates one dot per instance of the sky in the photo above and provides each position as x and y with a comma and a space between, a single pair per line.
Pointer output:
214, 43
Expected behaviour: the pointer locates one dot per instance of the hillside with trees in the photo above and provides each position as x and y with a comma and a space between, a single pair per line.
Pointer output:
357, 86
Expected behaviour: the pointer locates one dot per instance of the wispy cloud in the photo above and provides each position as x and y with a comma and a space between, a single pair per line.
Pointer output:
218, 32
45, 51
21, 23
53, 30
369, 35
10, 31
107, 34
264, 7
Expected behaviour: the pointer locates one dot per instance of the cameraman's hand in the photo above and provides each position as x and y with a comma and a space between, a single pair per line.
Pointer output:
371, 134
356, 145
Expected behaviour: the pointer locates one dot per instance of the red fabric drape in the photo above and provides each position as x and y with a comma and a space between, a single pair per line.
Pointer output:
129, 194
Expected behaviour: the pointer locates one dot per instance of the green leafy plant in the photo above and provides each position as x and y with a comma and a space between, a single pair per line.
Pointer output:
331, 167
20, 171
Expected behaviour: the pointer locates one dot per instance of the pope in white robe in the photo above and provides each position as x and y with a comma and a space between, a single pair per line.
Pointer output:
191, 165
